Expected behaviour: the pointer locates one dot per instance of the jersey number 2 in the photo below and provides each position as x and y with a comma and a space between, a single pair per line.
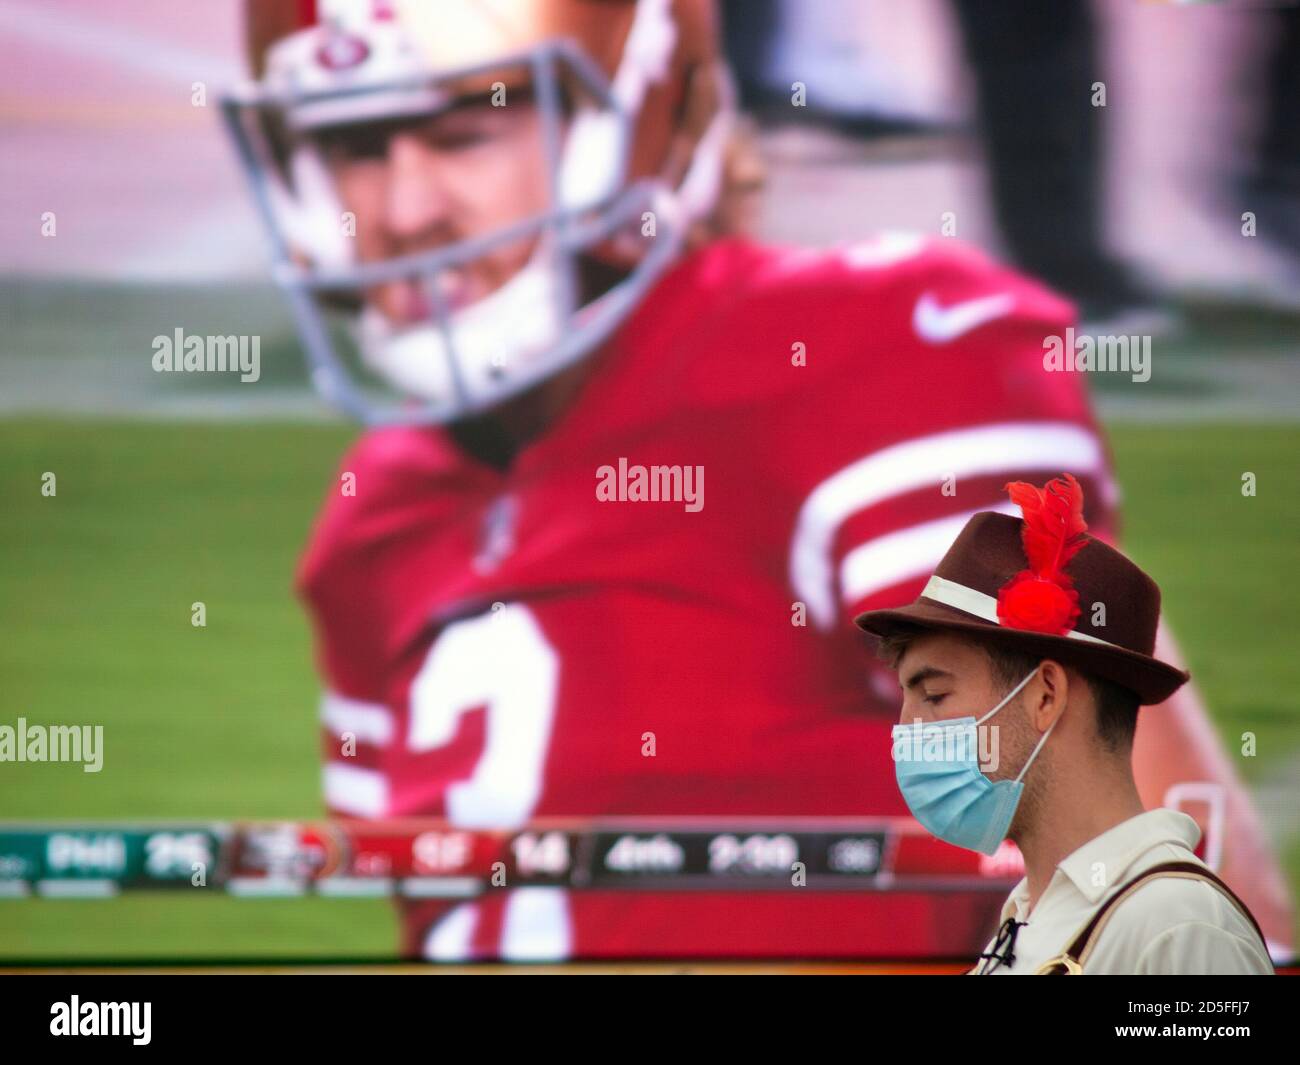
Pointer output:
500, 660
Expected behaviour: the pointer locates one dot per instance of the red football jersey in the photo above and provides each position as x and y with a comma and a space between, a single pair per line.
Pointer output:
836, 416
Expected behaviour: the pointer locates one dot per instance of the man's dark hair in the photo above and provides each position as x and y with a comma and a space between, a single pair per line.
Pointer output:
1117, 707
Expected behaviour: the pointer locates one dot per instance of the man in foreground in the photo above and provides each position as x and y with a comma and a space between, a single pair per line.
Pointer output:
1060, 648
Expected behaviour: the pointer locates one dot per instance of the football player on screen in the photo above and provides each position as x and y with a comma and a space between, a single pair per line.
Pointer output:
508, 233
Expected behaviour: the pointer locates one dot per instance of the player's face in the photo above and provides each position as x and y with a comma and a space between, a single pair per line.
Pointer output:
944, 676
417, 185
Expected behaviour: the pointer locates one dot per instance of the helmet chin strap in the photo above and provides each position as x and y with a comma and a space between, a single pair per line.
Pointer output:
697, 193
647, 53
596, 147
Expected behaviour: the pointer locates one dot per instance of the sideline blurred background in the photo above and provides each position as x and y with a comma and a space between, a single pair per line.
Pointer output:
175, 488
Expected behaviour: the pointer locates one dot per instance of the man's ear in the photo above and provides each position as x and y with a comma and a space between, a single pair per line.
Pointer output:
1048, 693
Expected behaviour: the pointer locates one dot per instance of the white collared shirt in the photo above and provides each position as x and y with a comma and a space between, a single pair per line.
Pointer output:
1170, 925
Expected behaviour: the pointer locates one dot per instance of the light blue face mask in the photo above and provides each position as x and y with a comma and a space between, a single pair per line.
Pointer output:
937, 767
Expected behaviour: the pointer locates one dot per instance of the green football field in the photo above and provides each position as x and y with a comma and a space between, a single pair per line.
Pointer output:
219, 722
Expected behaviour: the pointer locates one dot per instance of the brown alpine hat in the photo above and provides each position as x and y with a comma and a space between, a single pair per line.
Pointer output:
983, 586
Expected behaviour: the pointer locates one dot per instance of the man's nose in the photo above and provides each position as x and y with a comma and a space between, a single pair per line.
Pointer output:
909, 713
416, 206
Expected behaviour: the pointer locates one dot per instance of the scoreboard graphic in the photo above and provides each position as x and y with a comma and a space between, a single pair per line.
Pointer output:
433, 859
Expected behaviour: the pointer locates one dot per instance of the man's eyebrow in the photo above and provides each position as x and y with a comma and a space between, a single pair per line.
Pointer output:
925, 673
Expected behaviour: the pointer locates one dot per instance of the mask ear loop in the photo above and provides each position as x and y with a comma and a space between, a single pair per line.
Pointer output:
1039, 746
1010, 695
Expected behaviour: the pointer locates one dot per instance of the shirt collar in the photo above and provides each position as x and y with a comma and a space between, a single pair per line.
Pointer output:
1017, 902
1116, 849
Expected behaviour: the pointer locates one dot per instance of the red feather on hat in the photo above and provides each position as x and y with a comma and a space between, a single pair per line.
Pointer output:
1042, 598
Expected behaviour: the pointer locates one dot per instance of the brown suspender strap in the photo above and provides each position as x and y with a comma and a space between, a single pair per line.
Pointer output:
1071, 961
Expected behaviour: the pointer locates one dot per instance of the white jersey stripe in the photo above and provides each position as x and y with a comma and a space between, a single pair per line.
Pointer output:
899, 556
370, 723
1055, 447
354, 790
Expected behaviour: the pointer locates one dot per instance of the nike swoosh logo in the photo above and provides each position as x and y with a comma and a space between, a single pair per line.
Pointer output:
939, 324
